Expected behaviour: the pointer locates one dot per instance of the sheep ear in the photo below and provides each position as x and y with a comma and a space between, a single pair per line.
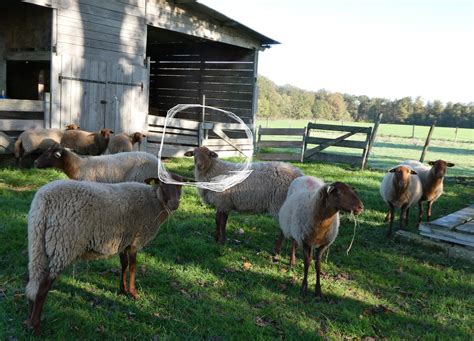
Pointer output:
330, 189
57, 155
189, 153
412, 171
392, 170
450, 164
431, 163
213, 154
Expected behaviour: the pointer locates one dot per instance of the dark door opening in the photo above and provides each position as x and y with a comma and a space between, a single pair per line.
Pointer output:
28, 79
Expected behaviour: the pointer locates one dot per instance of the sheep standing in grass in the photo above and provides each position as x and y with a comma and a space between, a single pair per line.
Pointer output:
33, 140
86, 143
431, 181
400, 188
122, 167
310, 216
70, 220
123, 142
263, 191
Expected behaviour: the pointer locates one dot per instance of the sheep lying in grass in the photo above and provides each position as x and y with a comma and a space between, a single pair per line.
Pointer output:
263, 191
33, 140
86, 143
70, 220
400, 188
310, 216
123, 142
122, 167
432, 182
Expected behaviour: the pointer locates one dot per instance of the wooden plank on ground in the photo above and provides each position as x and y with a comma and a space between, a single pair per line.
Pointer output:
455, 219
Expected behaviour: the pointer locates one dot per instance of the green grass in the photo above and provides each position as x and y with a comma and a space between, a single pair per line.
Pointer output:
394, 144
192, 288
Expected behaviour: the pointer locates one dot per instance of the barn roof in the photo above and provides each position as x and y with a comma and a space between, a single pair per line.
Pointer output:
226, 21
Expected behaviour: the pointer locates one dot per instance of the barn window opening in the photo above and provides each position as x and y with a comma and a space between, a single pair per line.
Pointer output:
28, 79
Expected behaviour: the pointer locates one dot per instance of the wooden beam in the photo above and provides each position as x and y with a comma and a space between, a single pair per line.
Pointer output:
309, 153
21, 105
427, 142
335, 127
20, 125
29, 55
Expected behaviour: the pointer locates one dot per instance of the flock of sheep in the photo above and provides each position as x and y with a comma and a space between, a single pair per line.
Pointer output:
119, 204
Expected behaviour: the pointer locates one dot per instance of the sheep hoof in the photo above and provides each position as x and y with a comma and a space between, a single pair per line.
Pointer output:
134, 295
276, 258
36, 330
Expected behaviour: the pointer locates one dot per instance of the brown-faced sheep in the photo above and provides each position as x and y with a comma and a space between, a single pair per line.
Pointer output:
264, 191
123, 142
86, 143
310, 216
400, 188
70, 220
432, 182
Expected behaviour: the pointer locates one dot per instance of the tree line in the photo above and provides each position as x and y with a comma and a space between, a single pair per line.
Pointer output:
288, 101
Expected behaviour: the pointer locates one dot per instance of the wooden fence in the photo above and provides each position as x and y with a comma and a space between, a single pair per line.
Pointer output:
289, 155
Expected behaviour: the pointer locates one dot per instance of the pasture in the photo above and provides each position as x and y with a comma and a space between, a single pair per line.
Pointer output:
394, 144
190, 287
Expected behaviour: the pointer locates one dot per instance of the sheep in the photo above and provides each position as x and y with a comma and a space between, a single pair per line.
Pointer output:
400, 188
123, 142
86, 143
431, 181
263, 191
32, 140
122, 167
70, 220
310, 216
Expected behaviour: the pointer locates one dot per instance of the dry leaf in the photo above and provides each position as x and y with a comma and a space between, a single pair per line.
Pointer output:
247, 265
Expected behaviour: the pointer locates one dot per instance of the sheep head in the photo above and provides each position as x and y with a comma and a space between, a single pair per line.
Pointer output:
137, 137
343, 198
72, 126
105, 133
52, 157
203, 158
402, 175
439, 167
170, 193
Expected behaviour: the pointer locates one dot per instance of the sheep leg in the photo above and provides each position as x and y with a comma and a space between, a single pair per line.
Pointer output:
278, 244
406, 216
307, 263
221, 221
420, 211
133, 268
294, 245
35, 317
317, 266
123, 276
428, 214
392, 216
403, 214
388, 216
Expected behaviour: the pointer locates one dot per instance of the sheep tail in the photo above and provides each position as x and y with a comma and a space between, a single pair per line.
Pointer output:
38, 260
18, 146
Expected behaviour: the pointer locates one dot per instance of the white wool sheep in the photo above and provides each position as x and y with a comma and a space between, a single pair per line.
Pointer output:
264, 191
123, 142
85, 142
71, 220
32, 140
432, 182
400, 188
310, 217
122, 167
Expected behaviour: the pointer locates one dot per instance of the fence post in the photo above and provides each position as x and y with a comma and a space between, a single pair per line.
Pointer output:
427, 142
456, 135
413, 132
371, 141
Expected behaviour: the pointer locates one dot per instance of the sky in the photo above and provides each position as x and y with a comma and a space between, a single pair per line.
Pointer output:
379, 48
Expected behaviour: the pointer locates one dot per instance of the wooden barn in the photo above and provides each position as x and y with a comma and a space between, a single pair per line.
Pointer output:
122, 64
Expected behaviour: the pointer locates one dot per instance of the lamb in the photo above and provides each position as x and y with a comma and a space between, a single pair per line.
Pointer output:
263, 191
400, 188
122, 167
32, 140
310, 216
124, 143
431, 181
69, 220
86, 143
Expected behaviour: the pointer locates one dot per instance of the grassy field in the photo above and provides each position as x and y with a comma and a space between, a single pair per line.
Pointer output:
192, 288
394, 144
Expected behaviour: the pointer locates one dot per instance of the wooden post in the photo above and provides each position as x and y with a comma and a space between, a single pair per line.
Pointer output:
303, 144
413, 132
456, 134
427, 142
371, 141
47, 110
